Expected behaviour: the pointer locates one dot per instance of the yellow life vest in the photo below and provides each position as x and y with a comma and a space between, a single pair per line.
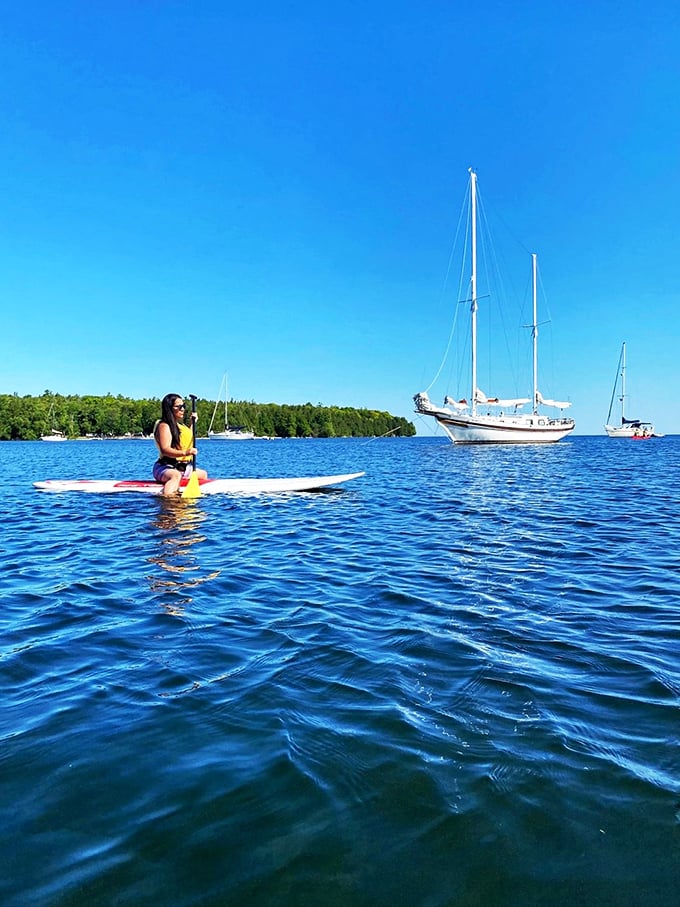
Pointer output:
186, 439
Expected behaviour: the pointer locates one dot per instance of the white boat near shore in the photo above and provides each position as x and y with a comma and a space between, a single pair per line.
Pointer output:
227, 433
54, 435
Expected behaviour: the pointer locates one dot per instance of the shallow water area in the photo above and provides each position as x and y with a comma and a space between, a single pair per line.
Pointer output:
454, 681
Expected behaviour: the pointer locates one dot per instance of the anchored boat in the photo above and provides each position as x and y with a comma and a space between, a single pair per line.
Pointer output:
227, 433
483, 419
627, 428
54, 434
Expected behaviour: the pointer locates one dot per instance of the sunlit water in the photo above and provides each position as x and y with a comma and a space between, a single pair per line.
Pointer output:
455, 681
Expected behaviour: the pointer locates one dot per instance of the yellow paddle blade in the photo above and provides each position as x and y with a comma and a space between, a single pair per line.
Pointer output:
192, 489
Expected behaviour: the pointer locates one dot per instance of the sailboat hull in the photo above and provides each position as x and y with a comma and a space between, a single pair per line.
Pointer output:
55, 436
640, 433
231, 434
624, 431
520, 429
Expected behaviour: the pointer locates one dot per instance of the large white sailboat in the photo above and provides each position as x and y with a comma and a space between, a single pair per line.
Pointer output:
492, 420
227, 433
628, 428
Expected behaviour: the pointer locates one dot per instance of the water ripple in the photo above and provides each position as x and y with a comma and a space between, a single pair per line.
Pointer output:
453, 682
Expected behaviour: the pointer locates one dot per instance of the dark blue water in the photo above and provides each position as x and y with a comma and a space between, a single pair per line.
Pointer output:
456, 681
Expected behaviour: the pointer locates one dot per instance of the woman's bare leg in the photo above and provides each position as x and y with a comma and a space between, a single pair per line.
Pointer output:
171, 479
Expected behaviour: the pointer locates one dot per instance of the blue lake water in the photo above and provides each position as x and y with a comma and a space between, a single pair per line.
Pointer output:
455, 681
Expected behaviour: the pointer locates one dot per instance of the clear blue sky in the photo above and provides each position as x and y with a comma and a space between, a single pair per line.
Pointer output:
272, 189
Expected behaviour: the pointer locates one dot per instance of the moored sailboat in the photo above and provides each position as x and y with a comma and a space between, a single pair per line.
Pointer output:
492, 420
54, 434
628, 428
227, 433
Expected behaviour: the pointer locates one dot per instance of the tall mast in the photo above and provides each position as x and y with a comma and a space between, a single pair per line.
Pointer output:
473, 286
623, 381
534, 332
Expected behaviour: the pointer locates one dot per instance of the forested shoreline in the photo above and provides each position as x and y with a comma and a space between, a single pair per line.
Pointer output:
28, 418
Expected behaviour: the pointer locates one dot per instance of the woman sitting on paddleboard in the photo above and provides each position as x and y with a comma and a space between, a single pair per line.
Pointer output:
175, 444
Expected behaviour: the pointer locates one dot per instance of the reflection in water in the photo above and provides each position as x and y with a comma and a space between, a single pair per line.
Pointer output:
177, 525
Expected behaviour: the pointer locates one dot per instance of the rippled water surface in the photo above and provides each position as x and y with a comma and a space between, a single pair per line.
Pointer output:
455, 681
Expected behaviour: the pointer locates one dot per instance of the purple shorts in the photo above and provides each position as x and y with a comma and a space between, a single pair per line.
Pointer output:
159, 469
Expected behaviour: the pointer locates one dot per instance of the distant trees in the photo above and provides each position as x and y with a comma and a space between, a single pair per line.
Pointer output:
28, 418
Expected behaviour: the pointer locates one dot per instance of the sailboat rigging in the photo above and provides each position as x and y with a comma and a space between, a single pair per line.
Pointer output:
486, 420
628, 428
227, 433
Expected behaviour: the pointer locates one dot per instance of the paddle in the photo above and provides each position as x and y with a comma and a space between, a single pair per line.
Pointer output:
192, 489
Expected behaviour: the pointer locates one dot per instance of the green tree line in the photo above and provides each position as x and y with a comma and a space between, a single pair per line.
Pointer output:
28, 418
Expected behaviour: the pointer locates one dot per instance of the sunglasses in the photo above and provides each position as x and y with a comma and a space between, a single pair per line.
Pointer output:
181, 406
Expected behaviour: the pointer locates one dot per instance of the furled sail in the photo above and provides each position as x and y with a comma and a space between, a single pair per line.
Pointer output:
425, 405
456, 404
541, 400
480, 397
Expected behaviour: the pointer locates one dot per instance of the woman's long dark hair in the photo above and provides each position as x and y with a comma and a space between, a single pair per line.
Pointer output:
168, 416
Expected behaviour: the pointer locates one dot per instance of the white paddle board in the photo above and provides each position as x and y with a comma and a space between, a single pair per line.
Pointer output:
208, 486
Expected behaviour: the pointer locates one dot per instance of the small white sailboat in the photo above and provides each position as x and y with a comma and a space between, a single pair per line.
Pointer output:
628, 428
54, 434
227, 433
491, 420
